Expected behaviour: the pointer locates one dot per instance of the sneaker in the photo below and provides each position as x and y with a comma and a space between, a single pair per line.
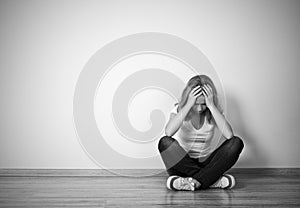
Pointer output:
177, 183
225, 182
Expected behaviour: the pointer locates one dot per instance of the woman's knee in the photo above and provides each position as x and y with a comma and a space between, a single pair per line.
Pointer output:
237, 144
165, 142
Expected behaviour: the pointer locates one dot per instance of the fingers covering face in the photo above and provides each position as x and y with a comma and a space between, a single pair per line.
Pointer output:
207, 90
196, 90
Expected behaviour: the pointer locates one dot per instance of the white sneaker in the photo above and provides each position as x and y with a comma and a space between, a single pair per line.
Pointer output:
177, 183
225, 182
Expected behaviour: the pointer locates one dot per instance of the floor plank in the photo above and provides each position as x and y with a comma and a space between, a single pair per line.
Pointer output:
89, 188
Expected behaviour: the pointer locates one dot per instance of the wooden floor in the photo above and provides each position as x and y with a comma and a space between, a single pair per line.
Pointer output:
99, 188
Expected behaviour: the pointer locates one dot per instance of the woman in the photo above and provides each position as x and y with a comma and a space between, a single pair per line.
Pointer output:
191, 160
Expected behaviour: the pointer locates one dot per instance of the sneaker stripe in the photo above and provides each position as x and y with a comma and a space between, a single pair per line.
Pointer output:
231, 181
170, 182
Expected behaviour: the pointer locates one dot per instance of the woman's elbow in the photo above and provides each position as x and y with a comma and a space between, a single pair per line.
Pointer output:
228, 135
168, 132
228, 132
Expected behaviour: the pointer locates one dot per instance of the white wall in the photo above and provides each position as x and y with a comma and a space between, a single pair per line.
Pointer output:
254, 46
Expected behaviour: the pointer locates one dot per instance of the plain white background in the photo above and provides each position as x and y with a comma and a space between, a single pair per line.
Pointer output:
253, 45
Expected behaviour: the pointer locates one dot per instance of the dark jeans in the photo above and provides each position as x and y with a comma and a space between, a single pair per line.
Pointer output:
178, 162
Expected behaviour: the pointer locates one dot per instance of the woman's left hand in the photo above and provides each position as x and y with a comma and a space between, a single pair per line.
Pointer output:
209, 96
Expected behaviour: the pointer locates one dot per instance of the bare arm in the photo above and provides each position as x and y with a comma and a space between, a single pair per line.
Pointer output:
222, 123
176, 120
220, 119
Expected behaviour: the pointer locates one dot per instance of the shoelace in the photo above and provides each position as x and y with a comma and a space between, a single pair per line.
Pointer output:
187, 184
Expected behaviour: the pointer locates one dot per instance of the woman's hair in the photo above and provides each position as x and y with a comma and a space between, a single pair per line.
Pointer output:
193, 82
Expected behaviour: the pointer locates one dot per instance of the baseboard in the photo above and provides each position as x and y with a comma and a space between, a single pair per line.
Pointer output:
132, 172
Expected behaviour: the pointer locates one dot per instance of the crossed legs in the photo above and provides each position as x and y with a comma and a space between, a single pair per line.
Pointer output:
178, 162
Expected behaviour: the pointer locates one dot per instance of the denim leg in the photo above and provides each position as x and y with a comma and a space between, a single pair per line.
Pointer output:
221, 160
175, 158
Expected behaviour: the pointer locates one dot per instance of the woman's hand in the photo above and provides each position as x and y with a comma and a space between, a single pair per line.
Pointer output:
195, 92
209, 95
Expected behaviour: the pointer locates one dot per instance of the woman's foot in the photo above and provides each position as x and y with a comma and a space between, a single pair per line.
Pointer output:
177, 183
225, 182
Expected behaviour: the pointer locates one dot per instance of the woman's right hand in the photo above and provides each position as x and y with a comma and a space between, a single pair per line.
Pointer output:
195, 92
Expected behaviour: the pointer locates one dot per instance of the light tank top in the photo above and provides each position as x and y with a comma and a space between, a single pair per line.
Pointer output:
198, 143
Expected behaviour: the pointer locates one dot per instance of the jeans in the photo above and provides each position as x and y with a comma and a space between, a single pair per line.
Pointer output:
178, 162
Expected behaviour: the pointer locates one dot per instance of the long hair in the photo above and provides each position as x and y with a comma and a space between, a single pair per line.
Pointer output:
193, 82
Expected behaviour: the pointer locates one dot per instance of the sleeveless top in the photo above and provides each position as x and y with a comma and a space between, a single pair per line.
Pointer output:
198, 143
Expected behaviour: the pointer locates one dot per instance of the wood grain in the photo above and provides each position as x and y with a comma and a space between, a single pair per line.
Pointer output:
99, 188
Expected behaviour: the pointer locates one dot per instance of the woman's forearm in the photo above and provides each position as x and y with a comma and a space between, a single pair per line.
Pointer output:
175, 123
222, 123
